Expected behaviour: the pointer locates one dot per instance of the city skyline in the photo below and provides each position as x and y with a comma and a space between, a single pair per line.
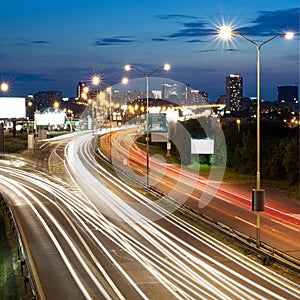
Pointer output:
52, 46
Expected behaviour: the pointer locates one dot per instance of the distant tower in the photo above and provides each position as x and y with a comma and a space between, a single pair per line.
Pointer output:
287, 94
234, 92
80, 87
170, 91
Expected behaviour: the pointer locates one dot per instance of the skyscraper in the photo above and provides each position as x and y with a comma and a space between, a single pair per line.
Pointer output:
234, 92
79, 89
170, 91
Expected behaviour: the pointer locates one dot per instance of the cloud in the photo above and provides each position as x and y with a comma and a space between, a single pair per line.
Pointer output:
206, 51
174, 16
270, 23
191, 32
195, 41
159, 39
36, 42
40, 42
23, 77
118, 40
231, 50
267, 23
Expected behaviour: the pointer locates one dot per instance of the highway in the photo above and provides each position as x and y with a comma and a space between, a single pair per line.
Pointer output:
227, 203
90, 236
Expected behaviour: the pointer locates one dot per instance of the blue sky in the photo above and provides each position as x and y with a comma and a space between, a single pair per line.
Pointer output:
51, 45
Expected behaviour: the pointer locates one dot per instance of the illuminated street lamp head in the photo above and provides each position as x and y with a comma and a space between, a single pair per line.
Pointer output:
95, 80
56, 105
289, 35
4, 87
167, 67
127, 67
125, 80
85, 89
225, 32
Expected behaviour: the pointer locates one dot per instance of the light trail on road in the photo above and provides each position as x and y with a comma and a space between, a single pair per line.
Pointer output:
178, 256
229, 204
113, 242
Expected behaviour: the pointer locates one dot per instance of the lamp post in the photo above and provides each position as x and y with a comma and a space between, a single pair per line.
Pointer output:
109, 90
96, 81
225, 32
4, 87
165, 67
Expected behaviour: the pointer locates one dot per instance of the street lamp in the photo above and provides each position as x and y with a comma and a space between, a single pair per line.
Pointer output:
165, 67
95, 81
109, 90
226, 33
4, 87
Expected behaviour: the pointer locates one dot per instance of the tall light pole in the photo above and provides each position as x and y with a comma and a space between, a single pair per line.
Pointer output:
4, 87
165, 67
96, 81
258, 194
109, 90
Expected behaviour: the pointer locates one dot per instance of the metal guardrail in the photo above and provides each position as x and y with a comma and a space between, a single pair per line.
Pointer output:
22, 254
268, 253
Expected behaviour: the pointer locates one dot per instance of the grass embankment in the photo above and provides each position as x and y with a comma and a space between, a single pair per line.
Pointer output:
13, 277
8, 282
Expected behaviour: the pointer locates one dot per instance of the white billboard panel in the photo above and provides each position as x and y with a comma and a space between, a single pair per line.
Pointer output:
50, 118
202, 146
12, 108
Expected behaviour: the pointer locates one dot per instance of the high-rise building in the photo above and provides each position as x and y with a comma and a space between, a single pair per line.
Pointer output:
170, 91
190, 96
46, 99
234, 92
80, 89
287, 94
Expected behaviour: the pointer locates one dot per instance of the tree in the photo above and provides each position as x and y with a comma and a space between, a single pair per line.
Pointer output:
291, 160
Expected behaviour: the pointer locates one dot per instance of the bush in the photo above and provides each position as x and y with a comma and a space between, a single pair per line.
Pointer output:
15, 145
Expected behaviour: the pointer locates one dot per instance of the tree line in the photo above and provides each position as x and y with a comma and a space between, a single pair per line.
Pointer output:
279, 151
279, 146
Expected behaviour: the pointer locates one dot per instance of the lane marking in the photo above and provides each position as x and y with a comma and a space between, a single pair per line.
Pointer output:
285, 225
245, 221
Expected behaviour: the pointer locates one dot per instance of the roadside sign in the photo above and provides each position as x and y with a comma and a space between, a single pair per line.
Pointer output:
157, 122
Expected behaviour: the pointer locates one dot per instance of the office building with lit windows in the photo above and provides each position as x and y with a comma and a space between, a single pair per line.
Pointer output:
170, 91
234, 93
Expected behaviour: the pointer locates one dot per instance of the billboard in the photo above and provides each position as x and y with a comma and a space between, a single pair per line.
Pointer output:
12, 108
50, 118
202, 146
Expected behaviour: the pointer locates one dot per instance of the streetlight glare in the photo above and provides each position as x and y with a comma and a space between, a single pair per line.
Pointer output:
167, 67
289, 35
96, 80
127, 67
85, 89
225, 32
4, 87
125, 80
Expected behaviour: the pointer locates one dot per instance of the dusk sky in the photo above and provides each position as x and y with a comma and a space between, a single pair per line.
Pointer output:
51, 45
